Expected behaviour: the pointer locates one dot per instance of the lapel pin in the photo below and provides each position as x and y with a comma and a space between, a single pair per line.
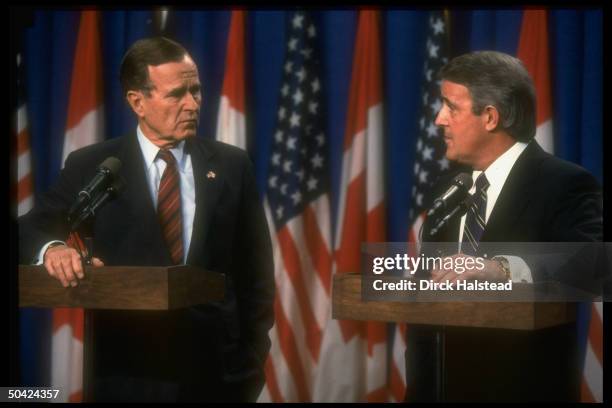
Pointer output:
211, 174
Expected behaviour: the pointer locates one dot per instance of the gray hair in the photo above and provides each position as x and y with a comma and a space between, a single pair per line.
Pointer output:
500, 80
154, 51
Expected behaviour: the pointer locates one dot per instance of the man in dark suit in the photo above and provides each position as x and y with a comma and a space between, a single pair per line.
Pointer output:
520, 194
187, 200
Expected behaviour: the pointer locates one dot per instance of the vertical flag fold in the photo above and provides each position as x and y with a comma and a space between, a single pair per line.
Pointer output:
231, 126
359, 349
25, 187
533, 51
84, 126
298, 212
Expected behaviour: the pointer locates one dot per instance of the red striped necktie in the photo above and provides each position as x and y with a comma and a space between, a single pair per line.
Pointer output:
169, 207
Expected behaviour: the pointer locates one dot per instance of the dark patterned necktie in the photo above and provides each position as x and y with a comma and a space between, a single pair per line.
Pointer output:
475, 220
169, 207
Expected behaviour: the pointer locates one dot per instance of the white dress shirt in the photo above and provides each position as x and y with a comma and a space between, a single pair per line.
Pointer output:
496, 174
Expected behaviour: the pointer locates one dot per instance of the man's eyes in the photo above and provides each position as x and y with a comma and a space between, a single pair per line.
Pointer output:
179, 93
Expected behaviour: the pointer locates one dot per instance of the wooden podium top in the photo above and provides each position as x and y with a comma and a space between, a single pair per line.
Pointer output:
123, 287
348, 305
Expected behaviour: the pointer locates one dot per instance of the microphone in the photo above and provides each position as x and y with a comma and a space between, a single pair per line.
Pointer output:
113, 191
460, 209
459, 188
105, 173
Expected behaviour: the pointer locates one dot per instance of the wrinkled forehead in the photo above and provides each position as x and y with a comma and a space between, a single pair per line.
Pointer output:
174, 72
455, 92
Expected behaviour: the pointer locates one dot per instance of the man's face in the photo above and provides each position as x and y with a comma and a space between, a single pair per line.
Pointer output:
171, 112
464, 132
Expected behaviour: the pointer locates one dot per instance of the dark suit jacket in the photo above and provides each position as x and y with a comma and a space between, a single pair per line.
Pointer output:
544, 199
214, 351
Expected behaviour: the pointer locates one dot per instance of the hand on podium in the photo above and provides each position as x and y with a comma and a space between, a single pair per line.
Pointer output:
64, 264
472, 268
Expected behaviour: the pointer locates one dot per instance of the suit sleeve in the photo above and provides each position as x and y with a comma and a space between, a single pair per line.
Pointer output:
47, 220
255, 274
575, 217
578, 215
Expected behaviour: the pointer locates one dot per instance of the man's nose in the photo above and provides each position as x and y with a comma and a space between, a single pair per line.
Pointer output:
440, 118
193, 101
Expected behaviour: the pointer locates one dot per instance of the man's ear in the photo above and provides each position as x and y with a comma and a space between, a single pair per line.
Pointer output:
135, 99
490, 117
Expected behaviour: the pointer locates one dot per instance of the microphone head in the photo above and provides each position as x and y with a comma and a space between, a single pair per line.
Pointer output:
116, 187
463, 181
112, 165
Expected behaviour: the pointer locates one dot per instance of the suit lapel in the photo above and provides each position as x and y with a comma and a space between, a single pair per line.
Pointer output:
208, 180
516, 194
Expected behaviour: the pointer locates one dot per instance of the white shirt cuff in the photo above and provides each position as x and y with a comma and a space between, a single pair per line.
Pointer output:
41, 254
519, 271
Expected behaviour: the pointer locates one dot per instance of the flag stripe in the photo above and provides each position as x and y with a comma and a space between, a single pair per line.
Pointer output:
317, 248
22, 119
291, 257
318, 299
596, 335
271, 382
23, 141
24, 188
23, 165
290, 331
290, 351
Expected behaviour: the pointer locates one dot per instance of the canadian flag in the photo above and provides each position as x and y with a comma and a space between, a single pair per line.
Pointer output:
231, 119
354, 354
533, 51
84, 127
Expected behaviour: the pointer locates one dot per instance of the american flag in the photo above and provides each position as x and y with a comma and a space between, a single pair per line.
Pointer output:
298, 211
591, 389
430, 159
429, 163
25, 194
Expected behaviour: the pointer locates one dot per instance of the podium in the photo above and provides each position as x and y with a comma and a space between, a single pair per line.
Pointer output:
120, 288
449, 321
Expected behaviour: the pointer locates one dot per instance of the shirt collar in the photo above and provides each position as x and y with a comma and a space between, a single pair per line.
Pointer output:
498, 171
149, 150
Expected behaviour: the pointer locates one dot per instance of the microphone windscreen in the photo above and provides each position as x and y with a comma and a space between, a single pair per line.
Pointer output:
117, 186
464, 180
112, 164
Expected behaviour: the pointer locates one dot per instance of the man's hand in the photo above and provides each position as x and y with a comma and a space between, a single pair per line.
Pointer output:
64, 263
491, 272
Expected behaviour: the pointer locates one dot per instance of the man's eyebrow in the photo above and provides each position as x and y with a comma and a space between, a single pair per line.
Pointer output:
448, 102
177, 91
182, 89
